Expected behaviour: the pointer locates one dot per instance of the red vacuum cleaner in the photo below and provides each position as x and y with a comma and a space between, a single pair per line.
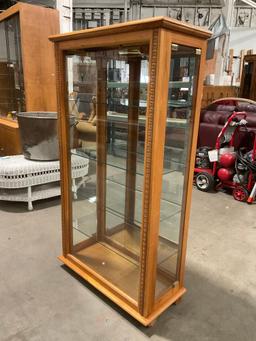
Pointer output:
225, 167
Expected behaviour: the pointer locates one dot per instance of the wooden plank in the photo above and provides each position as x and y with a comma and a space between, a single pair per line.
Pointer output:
230, 62
240, 78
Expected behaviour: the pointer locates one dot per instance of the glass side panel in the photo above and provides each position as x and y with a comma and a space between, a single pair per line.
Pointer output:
107, 100
12, 98
180, 112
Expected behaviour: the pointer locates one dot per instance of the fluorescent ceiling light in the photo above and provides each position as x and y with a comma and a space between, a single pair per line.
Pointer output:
250, 3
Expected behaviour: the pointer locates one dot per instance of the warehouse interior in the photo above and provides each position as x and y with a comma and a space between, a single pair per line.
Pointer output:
125, 213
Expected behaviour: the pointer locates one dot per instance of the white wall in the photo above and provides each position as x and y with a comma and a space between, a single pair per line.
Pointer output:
65, 8
242, 38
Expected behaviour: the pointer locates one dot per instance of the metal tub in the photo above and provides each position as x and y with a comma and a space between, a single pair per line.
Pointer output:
39, 135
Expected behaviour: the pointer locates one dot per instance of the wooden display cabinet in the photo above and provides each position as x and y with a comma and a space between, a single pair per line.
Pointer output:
27, 68
126, 233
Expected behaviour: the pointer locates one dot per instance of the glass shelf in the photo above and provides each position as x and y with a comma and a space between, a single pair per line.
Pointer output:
120, 162
179, 84
120, 85
170, 122
86, 224
115, 201
172, 84
118, 101
112, 160
176, 179
117, 191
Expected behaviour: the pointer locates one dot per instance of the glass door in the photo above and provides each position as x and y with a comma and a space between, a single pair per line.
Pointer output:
107, 98
184, 66
12, 96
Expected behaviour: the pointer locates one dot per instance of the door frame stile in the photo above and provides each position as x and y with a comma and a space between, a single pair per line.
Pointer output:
64, 150
153, 167
190, 164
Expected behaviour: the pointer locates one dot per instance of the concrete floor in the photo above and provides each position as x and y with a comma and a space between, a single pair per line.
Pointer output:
42, 300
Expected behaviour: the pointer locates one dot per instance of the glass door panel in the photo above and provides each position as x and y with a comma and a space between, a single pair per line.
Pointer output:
12, 96
107, 99
180, 112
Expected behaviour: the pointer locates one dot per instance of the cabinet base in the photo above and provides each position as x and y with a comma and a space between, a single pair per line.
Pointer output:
146, 321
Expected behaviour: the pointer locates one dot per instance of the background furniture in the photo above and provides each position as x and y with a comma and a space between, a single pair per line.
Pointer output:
9, 137
27, 58
27, 70
215, 115
214, 92
126, 234
27, 181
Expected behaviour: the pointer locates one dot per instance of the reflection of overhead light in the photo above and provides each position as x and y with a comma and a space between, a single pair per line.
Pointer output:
92, 200
250, 3
129, 53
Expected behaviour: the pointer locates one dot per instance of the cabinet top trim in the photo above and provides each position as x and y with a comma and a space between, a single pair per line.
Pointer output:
135, 25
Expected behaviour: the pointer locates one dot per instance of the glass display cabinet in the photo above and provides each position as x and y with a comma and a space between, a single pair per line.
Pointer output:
137, 107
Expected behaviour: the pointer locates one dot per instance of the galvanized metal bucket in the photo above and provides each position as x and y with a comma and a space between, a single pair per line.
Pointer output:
39, 135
